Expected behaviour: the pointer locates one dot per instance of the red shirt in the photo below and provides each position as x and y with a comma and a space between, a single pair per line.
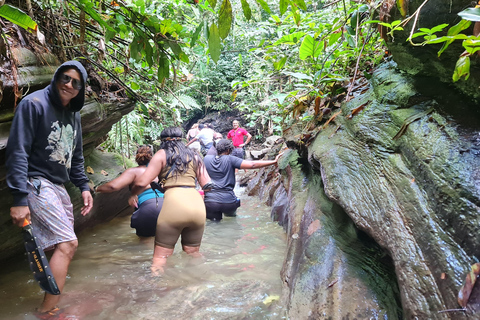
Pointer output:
237, 136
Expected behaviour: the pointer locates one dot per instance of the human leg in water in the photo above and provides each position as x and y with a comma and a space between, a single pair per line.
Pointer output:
192, 251
61, 258
160, 255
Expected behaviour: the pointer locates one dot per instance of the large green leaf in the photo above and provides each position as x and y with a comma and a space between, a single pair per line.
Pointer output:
471, 14
453, 31
310, 48
225, 19
213, 3
264, 5
88, 7
214, 44
195, 34
283, 6
148, 53
301, 4
175, 48
247, 12
163, 67
136, 48
292, 38
18, 17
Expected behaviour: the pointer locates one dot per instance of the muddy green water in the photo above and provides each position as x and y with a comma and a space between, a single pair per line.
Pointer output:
109, 277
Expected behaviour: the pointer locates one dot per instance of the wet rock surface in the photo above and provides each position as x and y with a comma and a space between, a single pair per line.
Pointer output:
399, 216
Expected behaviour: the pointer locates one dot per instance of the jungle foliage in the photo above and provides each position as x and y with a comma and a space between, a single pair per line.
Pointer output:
282, 63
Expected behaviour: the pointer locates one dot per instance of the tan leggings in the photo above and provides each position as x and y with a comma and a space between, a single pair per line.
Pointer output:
183, 213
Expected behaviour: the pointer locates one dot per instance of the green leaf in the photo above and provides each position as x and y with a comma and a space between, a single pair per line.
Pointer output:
334, 37
163, 67
301, 4
134, 86
417, 34
439, 27
213, 3
471, 45
247, 12
214, 43
296, 16
298, 75
471, 14
175, 48
183, 57
280, 63
283, 6
148, 53
135, 49
290, 38
18, 17
109, 35
459, 27
310, 48
264, 5
195, 34
462, 68
240, 60
225, 19
87, 6
453, 31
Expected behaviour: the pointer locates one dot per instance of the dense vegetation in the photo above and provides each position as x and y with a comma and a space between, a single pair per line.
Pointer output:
282, 63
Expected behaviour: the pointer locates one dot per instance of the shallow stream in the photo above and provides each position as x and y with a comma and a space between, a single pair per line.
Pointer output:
109, 277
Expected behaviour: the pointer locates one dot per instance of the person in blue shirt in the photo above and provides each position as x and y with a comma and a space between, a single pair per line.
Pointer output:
148, 203
221, 168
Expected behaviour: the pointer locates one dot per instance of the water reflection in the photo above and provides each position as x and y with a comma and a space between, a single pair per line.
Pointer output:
109, 278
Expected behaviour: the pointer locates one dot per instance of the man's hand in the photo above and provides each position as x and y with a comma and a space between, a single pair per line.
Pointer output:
19, 214
87, 202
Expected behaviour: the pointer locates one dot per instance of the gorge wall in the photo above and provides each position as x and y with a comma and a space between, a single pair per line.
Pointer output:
381, 223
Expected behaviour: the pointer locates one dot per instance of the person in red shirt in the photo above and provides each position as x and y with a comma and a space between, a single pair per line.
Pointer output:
237, 135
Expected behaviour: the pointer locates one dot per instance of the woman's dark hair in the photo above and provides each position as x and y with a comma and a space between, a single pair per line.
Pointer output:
224, 146
144, 155
176, 151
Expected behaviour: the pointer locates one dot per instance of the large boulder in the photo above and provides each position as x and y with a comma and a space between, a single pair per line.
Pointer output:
382, 212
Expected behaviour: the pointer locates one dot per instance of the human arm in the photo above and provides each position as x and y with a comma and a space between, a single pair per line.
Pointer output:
259, 163
19, 146
154, 168
125, 179
77, 173
191, 141
202, 175
249, 137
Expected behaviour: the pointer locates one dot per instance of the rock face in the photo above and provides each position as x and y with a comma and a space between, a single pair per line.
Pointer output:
423, 61
97, 119
373, 220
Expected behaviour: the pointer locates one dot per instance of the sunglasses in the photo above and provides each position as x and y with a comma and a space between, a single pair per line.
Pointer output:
76, 84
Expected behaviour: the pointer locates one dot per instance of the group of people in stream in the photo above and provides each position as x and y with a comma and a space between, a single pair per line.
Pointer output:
44, 151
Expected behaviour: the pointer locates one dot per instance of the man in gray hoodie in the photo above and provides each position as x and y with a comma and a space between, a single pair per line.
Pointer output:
44, 151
